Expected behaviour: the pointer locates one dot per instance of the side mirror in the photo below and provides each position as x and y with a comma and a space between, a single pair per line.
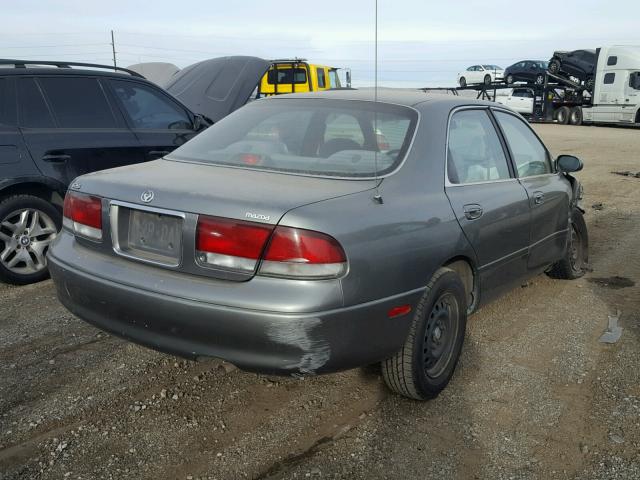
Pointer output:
200, 122
569, 164
348, 76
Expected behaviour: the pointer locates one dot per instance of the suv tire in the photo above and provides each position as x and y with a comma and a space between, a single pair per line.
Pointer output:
425, 364
28, 225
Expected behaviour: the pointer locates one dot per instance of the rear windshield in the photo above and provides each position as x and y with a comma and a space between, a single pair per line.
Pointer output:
307, 136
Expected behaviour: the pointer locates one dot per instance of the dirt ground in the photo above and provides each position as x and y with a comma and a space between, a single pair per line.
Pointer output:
536, 395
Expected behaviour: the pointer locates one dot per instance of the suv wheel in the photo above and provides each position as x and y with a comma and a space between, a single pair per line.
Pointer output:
509, 79
540, 79
425, 364
28, 225
554, 66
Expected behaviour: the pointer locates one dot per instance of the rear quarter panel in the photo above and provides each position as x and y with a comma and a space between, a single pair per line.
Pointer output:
394, 247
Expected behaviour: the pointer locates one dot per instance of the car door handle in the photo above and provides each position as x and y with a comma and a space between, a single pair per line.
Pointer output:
158, 153
473, 211
538, 198
56, 158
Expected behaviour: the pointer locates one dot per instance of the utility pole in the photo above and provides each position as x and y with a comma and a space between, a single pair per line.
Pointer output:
113, 49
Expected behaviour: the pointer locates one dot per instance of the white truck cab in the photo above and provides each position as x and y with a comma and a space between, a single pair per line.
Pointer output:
616, 94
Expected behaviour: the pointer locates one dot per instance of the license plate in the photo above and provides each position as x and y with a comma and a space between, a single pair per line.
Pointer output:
155, 234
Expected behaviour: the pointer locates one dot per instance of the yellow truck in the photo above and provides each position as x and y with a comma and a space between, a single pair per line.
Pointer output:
298, 75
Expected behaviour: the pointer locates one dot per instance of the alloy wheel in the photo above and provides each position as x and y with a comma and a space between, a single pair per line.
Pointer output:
25, 237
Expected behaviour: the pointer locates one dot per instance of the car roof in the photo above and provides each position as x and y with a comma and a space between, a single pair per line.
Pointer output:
46, 70
397, 96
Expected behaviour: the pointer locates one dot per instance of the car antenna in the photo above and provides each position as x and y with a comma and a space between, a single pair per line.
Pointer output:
377, 197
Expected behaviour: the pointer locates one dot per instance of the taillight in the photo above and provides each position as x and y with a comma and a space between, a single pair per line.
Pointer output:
83, 215
298, 253
230, 244
290, 252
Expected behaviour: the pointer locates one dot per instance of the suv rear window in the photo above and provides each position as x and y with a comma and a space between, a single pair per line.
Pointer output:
78, 102
308, 136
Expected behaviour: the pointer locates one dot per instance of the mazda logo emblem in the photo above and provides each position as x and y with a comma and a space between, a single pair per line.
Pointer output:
147, 196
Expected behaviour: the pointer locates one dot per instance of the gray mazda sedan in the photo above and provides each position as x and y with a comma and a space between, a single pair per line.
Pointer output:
313, 233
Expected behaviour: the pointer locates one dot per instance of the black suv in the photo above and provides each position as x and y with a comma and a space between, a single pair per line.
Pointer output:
61, 120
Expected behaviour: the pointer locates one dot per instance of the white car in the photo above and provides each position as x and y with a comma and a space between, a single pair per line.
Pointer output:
478, 74
520, 100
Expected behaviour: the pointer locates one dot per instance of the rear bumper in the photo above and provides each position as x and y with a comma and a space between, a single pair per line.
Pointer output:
261, 341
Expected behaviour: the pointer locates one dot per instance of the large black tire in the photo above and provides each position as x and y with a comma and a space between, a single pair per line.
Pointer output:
575, 116
562, 115
574, 263
463, 82
425, 364
487, 79
47, 223
539, 79
554, 66
509, 79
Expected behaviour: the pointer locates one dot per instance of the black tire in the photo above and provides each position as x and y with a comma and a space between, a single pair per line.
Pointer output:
463, 82
540, 79
8, 208
562, 115
425, 364
575, 116
487, 79
574, 263
509, 79
554, 66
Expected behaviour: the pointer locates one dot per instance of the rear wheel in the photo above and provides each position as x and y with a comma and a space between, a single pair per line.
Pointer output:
575, 117
509, 79
562, 115
539, 79
425, 364
487, 79
554, 66
463, 82
28, 225
590, 83
573, 264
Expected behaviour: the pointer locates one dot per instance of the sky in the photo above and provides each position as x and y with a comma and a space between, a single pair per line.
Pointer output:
420, 42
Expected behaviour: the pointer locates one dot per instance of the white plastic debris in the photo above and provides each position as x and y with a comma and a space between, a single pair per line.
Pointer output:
613, 332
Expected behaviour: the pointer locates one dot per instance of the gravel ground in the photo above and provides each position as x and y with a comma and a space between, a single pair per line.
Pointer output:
536, 396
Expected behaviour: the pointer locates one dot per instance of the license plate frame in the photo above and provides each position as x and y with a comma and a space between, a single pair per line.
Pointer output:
135, 234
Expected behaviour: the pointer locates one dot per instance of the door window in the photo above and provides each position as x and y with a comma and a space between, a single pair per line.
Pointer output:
609, 78
149, 109
322, 82
529, 154
33, 111
287, 75
475, 153
613, 60
78, 102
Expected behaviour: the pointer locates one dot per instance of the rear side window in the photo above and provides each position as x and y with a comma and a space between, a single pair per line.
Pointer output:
475, 153
149, 109
3, 101
308, 136
609, 78
33, 111
78, 102
528, 152
322, 82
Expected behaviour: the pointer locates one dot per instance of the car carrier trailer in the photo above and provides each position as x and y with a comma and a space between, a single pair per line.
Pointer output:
614, 98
